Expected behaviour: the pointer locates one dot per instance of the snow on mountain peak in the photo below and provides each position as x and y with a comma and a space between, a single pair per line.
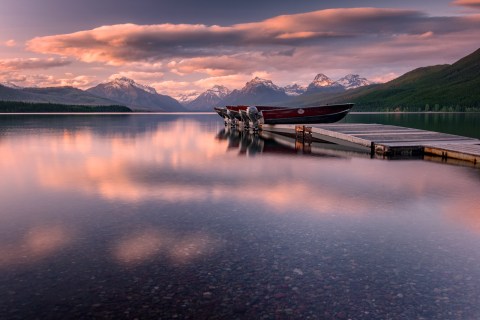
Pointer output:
219, 91
294, 89
11, 85
122, 82
186, 98
322, 80
257, 82
353, 81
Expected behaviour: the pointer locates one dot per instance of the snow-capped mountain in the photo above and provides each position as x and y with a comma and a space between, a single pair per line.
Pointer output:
294, 89
11, 85
353, 81
186, 98
209, 99
322, 83
218, 91
125, 83
137, 96
257, 91
261, 84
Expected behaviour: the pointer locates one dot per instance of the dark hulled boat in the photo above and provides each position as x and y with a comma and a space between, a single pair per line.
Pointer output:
318, 114
284, 115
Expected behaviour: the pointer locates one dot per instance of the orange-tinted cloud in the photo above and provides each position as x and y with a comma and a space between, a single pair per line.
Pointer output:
46, 80
467, 3
32, 63
125, 43
10, 43
373, 42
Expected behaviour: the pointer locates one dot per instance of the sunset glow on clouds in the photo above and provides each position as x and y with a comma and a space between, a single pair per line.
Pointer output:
378, 43
468, 3
32, 63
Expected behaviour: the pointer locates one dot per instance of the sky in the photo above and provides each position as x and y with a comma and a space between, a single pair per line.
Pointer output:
186, 46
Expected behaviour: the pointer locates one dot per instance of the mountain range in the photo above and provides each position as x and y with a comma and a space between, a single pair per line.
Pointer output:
262, 91
125, 91
435, 88
136, 96
209, 98
439, 88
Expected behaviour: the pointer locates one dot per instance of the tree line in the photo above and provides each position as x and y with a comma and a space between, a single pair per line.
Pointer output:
31, 107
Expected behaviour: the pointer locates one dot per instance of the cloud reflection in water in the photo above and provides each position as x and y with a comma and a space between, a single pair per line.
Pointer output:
139, 247
184, 161
37, 243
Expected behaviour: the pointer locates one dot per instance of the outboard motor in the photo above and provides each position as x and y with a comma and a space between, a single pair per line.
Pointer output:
254, 115
245, 119
231, 116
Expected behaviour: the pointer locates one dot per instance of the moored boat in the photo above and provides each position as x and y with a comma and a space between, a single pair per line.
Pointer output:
284, 115
316, 114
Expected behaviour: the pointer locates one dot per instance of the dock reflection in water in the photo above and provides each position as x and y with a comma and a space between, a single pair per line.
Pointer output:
158, 216
251, 143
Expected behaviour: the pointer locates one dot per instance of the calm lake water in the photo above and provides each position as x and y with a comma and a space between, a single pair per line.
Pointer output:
171, 216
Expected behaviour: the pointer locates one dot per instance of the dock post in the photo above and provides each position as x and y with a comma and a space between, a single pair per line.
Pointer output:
303, 139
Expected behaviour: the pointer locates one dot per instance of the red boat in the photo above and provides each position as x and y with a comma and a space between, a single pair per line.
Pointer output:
319, 114
284, 115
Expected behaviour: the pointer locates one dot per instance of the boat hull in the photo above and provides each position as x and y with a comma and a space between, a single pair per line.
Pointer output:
307, 115
259, 108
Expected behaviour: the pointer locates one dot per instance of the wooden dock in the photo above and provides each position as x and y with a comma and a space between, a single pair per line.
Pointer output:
387, 140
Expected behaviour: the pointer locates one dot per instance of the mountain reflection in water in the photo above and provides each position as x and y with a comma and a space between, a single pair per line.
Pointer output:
176, 216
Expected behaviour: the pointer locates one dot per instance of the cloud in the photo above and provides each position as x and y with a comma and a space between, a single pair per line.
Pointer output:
217, 65
33, 63
373, 42
126, 43
45, 80
10, 43
140, 76
173, 88
467, 3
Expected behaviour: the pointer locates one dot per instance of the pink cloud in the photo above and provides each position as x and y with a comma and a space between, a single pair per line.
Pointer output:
216, 65
467, 3
370, 41
173, 88
45, 80
139, 75
121, 44
32, 63
10, 43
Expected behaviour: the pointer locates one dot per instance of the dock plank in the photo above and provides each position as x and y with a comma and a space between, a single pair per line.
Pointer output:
388, 138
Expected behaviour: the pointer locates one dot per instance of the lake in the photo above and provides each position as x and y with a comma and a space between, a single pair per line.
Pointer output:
172, 216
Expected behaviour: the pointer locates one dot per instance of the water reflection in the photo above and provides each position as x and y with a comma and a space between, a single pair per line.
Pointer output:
177, 211
140, 246
182, 161
38, 243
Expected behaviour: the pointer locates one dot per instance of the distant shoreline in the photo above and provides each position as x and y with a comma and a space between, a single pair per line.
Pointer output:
8, 107
18, 107
212, 112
